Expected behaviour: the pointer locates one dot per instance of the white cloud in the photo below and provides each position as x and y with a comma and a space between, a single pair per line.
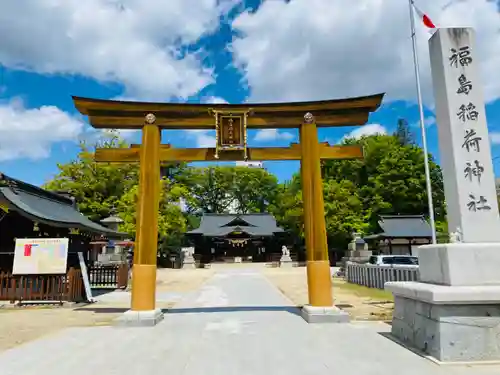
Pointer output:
131, 42
370, 129
428, 122
495, 138
92, 136
214, 100
251, 164
266, 135
321, 49
30, 133
203, 138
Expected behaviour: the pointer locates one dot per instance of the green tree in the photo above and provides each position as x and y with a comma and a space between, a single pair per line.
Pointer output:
253, 189
344, 213
100, 188
171, 220
208, 189
390, 179
403, 133
287, 207
217, 189
97, 187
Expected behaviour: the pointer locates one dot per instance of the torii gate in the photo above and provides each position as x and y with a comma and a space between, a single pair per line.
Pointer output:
230, 122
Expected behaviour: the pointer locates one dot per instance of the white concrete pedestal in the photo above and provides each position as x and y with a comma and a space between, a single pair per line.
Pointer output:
140, 318
188, 263
331, 314
453, 314
286, 261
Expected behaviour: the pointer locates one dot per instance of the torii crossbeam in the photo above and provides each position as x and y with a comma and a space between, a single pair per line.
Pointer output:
171, 154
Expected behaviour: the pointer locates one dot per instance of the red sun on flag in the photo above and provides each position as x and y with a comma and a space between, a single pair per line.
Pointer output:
426, 20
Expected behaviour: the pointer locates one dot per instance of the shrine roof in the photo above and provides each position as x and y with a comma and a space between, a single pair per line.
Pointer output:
402, 226
215, 225
47, 207
127, 114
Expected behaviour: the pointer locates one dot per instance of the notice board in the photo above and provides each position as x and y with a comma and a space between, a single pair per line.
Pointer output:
40, 256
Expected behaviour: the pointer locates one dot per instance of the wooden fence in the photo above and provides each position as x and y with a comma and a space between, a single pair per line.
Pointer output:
47, 288
374, 276
109, 276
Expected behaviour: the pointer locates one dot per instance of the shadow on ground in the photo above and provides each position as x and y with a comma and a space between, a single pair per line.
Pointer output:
197, 310
378, 302
415, 351
103, 310
230, 309
97, 292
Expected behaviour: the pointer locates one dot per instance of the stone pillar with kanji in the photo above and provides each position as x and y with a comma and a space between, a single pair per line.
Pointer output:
453, 312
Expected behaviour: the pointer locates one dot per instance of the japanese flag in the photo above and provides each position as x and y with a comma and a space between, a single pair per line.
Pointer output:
424, 17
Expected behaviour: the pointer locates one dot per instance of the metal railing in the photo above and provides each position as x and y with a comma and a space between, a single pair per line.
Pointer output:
374, 276
109, 276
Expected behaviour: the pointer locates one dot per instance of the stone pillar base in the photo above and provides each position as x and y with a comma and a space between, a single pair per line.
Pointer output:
140, 318
331, 314
188, 263
453, 314
448, 323
286, 261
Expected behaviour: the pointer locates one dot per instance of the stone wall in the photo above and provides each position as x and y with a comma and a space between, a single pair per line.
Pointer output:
438, 330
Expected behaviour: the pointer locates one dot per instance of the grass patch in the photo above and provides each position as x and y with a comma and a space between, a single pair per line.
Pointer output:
363, 291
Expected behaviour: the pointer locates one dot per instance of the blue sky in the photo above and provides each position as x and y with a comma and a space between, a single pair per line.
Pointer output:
202, 51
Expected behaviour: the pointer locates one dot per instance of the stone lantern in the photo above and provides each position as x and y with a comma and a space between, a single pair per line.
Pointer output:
357, 251
112, 222
112, 253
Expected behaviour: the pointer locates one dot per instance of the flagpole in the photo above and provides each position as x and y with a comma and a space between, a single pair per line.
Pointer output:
422, 124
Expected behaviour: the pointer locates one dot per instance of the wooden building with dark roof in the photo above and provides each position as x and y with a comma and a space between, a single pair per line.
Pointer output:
400, 234
28, 211
234, 237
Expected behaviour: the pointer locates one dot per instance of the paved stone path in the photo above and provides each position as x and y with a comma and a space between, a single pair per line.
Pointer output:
237, 323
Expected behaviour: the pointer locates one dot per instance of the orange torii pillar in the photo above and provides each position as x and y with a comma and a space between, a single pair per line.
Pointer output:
143, 310
319, 278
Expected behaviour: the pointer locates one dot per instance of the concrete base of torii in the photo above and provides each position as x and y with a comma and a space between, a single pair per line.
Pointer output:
140, 318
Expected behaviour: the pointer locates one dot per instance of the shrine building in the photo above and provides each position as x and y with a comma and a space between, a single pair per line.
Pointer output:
237, 238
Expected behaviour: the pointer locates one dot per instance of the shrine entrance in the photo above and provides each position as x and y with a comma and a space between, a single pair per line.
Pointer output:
236, 247
237, 238
231, 122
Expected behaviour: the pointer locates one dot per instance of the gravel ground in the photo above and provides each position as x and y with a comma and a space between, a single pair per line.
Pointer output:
20, 325
23, 324
293, 283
